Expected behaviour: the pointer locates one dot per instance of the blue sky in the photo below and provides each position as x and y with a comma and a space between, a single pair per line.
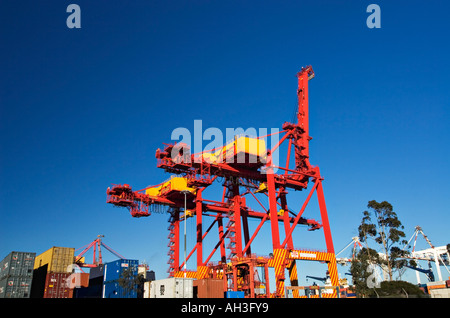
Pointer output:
84, 108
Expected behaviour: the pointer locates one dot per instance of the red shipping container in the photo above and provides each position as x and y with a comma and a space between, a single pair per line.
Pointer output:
56, 285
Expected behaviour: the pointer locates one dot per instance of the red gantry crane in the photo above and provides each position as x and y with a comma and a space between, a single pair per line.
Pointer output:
97, 253
254, 176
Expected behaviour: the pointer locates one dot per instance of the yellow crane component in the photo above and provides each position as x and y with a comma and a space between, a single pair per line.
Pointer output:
243, 149
173, 186
262, 188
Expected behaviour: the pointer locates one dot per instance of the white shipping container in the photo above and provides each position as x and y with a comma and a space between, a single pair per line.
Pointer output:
438, 283
172, 288
440, 293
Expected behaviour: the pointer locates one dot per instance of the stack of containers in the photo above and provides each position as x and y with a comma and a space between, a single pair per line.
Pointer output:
16, 274
94, 286
77, 281
114, 271
51, 271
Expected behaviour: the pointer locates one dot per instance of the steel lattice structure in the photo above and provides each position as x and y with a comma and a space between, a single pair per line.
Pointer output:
252, 175
97, 253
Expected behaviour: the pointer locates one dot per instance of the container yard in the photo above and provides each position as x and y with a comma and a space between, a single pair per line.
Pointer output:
245, 163
16, 273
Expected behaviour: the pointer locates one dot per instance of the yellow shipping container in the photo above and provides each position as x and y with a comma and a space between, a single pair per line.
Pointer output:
58, 259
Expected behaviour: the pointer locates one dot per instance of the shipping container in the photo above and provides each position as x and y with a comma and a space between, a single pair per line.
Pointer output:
113, 270
172, 288
78, 280
56, 285
440, 293
15, 287
58, 259
234, 294
208, 288
113, 289
96, 281
436, 285
38, 282
92, 291
18, 264
50, 285
150, 276
97, 271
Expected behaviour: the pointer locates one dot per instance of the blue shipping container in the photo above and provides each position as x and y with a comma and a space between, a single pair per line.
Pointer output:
114, 290
113, 270
234, 294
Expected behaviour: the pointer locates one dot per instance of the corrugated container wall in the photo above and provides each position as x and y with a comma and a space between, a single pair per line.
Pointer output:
209, 288
112, 289
58, 259
78, 280
19, 264
56, 285
95, 272
113, 270
16, 275
150, 276
172, 288
15, 287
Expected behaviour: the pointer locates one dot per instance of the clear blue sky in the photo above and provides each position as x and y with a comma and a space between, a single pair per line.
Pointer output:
84, 108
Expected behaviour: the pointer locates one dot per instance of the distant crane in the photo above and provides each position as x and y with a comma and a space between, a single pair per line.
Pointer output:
440, 255
97, 259
356, 244
427, 272
321, 279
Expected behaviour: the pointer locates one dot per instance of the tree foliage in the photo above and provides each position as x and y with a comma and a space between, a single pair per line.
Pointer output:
361, 271
381, 223
131, 282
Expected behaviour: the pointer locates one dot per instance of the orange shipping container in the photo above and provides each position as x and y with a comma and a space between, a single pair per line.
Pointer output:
77, 280
209, 288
